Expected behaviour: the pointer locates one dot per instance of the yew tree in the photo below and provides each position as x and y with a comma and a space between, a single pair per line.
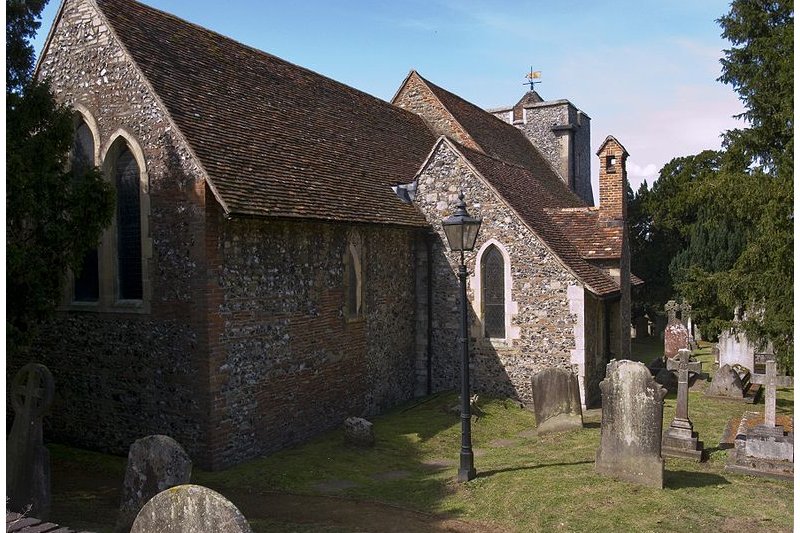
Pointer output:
53, 215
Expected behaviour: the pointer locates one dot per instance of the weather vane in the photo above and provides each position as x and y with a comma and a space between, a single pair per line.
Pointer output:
533, 75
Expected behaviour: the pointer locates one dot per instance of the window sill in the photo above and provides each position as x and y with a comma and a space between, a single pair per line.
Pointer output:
120, 306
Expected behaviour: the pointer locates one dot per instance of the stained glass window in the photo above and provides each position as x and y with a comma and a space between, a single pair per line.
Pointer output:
129, 230
493, 288
352, 284
87, 282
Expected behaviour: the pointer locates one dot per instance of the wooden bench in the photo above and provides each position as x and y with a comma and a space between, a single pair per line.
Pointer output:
17, 523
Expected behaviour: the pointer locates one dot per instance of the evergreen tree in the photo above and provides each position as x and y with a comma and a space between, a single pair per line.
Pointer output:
730, 214
53, 215
755, 185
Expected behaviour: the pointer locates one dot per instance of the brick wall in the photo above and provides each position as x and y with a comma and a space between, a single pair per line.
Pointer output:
613, 177
545, 325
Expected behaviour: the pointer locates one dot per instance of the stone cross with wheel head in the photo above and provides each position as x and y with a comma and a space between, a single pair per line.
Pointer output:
27, 460
771, 381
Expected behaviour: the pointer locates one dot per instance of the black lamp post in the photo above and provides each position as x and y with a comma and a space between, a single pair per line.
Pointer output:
462, 231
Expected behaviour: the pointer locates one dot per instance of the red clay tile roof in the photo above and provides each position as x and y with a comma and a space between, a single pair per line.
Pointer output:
500, 139
275, 139
594, 239
530, 199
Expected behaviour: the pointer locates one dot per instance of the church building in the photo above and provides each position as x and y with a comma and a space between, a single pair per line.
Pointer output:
277, 262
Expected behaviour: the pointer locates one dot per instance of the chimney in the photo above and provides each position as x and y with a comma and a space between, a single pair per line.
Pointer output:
613, 178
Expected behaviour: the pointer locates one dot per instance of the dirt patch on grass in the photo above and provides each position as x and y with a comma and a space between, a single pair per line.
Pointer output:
351, 515
88, 500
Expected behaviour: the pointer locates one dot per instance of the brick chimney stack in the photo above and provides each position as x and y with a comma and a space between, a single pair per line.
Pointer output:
613, 178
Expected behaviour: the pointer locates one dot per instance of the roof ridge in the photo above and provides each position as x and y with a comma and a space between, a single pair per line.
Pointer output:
493, 158
501, 121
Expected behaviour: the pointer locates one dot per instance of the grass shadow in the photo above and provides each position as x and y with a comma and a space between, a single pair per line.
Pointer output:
488, 473
683, 479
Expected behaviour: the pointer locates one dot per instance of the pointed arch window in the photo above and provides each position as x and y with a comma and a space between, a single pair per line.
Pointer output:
129, 228
493, 293
87, 281
354, 277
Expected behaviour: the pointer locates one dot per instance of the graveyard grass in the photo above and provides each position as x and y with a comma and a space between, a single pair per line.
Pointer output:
525, 482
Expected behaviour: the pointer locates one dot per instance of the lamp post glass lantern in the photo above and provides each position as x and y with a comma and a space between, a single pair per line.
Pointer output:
461, 231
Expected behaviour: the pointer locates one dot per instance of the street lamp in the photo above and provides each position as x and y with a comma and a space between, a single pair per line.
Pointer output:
461, 231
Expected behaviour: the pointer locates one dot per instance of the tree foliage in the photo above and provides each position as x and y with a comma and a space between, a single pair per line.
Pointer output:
726, 218
53, 215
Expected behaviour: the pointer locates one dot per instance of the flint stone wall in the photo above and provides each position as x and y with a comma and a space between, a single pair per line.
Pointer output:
545, 336
232, 353
537, 127
129, 372
289, 364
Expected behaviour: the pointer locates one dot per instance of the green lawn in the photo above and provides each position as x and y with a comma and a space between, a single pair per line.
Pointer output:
525, 482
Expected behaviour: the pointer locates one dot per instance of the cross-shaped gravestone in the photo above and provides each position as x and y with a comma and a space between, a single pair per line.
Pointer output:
682, 364
770, 380
671, 307
28, 476
686, 313
679, 439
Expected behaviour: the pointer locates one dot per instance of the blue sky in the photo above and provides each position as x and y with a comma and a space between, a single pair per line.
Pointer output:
644, 71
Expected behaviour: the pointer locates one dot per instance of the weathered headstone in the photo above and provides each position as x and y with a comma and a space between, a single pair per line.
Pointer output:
155, 463
656, 365
728, 383
556, 400
27, 460
630, 431
667, 379
680, 440
676, 336
359, 432
190, 509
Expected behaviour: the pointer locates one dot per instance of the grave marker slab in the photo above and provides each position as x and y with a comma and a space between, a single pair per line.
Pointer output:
680, 440
630, 431
556, 400
190, 509
764, 449
155, 463
27, 460
728, 383
359, 432
676, 336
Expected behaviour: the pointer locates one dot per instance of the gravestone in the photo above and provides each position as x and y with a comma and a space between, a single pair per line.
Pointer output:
359, 432
630, 431
730, 384
656, 365
680, 440
764, 449
676, 336
155, 463
667, 379
735, 349
27, 460
190, 509
556, 400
